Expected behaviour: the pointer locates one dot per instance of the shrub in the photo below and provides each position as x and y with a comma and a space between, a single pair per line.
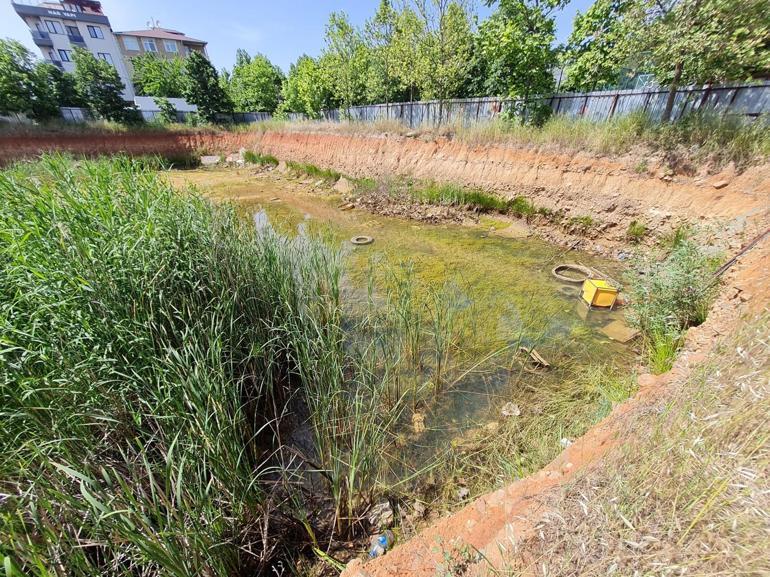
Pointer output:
668, 297
636, 231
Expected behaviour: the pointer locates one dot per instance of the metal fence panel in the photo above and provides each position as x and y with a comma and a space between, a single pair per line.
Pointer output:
748, 101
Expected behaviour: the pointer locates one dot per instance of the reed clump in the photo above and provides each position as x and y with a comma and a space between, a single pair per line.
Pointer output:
152, 344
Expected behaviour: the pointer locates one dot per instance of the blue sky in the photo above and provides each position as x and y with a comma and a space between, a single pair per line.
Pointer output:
283, 29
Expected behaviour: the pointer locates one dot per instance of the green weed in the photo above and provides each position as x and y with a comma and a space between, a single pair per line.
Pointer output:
636, 231
668, 296
313, 171
253, 157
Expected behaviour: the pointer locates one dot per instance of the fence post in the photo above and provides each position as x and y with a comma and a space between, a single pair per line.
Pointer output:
614, 104
732, 100
647, 102
704, 98
585, 105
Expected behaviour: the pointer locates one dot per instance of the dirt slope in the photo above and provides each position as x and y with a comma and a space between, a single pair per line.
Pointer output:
496, 521
610, 190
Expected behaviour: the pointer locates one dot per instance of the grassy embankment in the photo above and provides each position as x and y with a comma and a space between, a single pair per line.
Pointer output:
688, 495
691, 141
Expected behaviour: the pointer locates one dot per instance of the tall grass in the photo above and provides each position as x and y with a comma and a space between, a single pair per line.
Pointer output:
150, 344
687, 490
669, 295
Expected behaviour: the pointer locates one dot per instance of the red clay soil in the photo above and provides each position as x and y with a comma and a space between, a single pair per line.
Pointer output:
17, 147
609, 190
493, 523
732, 206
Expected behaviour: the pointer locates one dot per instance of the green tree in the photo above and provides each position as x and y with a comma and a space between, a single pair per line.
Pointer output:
63, 84
255, 83
304, 89
408, 37
379, 34
344, 61
701, 41
26, 85
598, 46
99, 85
168, 112
203, 89
445, 50
155, 76
518, 44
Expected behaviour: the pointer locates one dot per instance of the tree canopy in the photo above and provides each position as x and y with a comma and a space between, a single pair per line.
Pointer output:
254, 84
99, 85
203, 89
155, 76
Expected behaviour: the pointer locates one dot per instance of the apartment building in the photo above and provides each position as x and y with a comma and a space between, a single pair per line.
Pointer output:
163, 42
58, 28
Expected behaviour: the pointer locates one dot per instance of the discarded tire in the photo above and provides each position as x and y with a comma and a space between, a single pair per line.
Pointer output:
362, 239
584, 271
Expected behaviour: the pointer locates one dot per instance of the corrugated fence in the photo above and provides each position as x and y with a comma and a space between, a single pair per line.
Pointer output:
749, 101
746, 100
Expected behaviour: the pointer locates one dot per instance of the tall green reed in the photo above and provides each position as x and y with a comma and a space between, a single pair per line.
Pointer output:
150, 343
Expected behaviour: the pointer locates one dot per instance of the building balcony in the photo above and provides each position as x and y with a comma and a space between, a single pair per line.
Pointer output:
41, 38
56, 63
77, 39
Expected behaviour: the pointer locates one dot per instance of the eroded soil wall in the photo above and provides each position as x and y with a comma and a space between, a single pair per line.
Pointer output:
17, 147
612, 191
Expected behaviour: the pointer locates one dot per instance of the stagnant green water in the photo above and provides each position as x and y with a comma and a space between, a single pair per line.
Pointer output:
502, 296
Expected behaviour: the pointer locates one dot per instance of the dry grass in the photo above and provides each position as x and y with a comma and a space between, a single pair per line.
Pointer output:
697, 139
690, 497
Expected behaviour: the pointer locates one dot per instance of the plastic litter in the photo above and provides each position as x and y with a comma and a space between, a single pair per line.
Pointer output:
381, 543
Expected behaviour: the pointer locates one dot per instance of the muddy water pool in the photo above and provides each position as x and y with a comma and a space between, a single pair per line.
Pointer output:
500, 292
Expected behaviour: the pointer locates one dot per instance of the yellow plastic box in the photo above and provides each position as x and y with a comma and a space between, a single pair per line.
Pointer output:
599, 293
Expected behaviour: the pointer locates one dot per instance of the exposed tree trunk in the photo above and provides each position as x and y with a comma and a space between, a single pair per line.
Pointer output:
672, 93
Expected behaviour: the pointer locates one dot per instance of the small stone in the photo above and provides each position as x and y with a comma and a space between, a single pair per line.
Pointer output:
343, 185
210, 160
645, 380
510, 409
565, 442
380, 516
418, 423
462, 493
720, 184
282, 168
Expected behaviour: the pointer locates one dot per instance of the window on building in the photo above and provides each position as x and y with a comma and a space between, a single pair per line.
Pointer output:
149, 45
72, 31
106, 56
65, 55
130, 43
170, 46
187, 50
54, 27
72, 7
95, 32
